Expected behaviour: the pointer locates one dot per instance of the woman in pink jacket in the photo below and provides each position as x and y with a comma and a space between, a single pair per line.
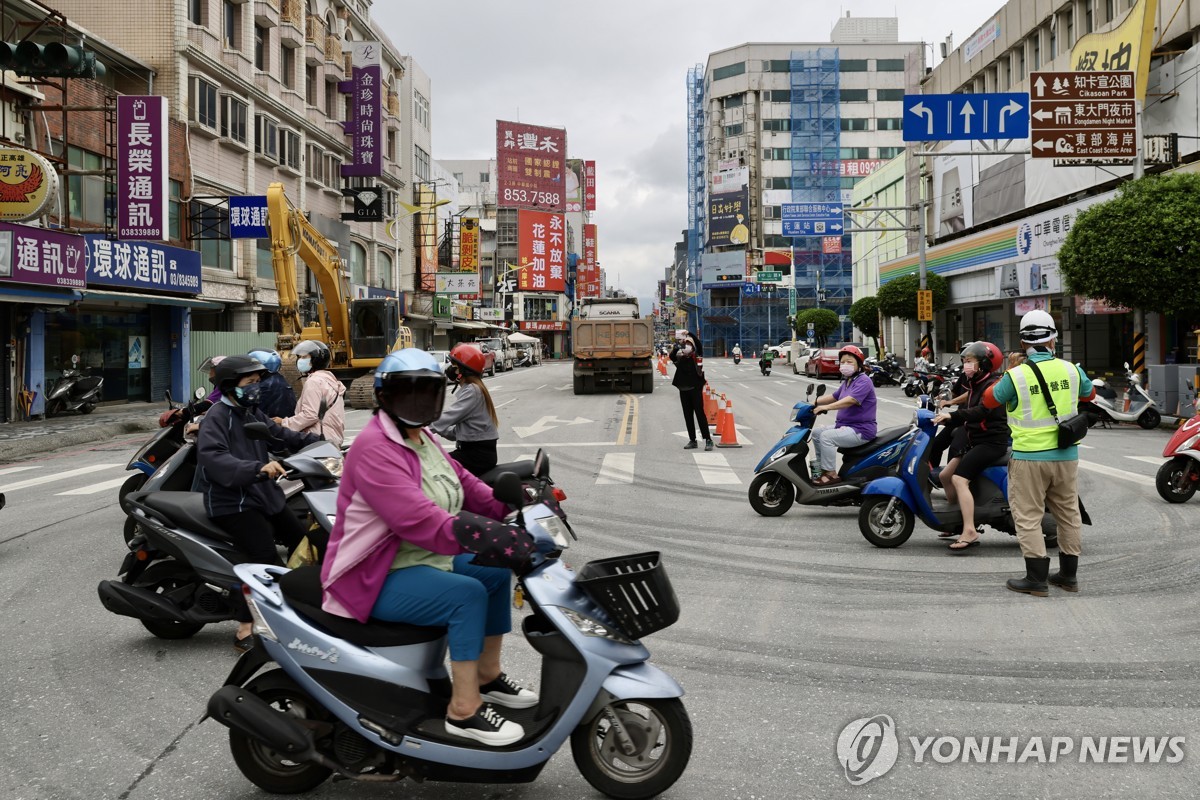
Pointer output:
312, 360
396, 552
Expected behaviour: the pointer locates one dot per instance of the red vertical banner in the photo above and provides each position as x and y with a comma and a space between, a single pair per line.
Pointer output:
541, 244
589, 185
590, 276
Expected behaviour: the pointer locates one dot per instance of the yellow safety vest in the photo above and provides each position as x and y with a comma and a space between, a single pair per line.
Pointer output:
1032, 425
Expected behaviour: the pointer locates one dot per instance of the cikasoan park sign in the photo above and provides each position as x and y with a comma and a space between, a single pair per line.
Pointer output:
28, 183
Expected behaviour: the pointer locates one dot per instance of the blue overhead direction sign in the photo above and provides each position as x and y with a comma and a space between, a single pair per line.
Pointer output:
813, 219
943, 117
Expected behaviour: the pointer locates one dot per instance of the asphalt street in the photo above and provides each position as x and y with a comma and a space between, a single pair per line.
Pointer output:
792, 627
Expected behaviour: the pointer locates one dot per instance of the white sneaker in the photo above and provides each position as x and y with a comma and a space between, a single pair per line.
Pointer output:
504, 691
486, 726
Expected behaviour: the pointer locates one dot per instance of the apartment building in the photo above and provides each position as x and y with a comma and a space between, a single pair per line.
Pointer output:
996, 220
786, 123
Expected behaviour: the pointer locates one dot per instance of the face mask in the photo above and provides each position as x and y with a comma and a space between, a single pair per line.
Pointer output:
452, 374
847, 370
304, 365
248, 395
969, 368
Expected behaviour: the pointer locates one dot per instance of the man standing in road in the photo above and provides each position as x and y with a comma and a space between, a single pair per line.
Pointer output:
1041, 474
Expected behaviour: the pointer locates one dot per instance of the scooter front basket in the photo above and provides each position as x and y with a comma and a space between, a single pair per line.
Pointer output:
634, 590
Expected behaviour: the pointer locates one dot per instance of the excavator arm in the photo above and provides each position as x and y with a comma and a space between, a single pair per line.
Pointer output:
293, 235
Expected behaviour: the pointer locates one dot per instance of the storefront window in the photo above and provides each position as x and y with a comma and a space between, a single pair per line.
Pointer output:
358, 264
989, 326
385, 270
265, 268
114, 345
86, 191
175, 213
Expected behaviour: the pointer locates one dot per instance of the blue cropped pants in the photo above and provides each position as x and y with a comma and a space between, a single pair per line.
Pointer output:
472, 601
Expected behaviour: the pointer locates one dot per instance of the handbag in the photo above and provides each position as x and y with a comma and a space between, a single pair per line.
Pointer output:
1071, 430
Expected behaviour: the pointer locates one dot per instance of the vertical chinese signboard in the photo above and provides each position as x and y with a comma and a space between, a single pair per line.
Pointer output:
468, 244
588, 284
589, 185
574, 176
365, 125
542, 249
530, 164
142, 158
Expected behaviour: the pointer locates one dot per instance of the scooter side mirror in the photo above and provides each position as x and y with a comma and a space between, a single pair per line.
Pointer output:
167, 397
541, 464
258, 431
199, 394
820, 390
508, 489
811, 389
1126, 365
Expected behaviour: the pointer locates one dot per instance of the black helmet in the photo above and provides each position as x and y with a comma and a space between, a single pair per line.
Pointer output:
313, 349
233, 368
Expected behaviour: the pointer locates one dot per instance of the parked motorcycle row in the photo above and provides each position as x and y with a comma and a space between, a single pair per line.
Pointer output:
322, 695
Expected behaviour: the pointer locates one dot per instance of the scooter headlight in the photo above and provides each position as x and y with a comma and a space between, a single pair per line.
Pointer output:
780, 453
591, 627
1190, 444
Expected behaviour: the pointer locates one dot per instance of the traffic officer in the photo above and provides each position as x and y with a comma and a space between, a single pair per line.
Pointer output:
1042, 475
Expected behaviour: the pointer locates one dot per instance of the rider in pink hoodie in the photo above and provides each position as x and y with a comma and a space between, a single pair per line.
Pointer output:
312, 360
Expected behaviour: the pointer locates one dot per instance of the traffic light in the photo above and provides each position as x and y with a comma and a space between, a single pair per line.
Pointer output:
54, 60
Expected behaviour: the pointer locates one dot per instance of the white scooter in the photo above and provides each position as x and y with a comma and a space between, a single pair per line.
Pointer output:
1106, 408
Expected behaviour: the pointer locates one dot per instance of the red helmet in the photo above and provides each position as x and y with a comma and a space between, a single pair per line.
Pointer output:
987, 354
854, 351
925, 351
468, 358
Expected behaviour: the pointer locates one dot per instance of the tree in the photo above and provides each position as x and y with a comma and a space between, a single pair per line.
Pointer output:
824, 322
1140, 249
864, 314
898, 298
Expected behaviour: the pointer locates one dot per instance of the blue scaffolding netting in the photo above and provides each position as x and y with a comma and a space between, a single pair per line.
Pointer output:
697, 221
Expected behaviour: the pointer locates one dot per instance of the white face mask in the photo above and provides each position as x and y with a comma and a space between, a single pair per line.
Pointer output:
304, 365
847, 370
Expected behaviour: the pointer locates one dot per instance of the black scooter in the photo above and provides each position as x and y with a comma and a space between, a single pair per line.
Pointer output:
764, 365
73, 391
155, 453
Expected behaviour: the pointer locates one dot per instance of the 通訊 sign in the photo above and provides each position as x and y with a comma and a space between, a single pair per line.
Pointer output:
142, 161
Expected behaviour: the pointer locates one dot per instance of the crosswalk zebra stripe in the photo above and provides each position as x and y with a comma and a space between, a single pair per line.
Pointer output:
616, 468
96, 488
715, 470
12, 487
10, 470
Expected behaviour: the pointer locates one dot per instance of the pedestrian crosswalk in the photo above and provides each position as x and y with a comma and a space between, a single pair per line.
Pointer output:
47, 474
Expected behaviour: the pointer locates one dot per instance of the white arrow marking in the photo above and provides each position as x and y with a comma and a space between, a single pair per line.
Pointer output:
548, 423
920, 109
1040, 85
1042, 144
1041, 114
967, 112
1013, 107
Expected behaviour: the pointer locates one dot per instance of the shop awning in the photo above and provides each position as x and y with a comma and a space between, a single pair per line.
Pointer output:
418, 317
443, 325
467, 325
10, 293
154, 299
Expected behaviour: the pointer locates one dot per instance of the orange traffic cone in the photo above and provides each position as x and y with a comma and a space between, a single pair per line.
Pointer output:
729, 435
720, 415
710, 405
662, 365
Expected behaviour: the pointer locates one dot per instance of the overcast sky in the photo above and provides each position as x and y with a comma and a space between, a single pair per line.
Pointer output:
613, 74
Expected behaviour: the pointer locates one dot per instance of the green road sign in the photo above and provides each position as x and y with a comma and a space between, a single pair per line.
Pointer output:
768, 277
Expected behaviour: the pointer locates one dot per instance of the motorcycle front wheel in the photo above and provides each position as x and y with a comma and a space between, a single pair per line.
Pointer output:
266, 768
634, 749
1176, 480
771, 494
1150, 419
880, 528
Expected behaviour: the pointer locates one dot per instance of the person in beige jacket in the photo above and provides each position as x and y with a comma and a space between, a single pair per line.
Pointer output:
312, 360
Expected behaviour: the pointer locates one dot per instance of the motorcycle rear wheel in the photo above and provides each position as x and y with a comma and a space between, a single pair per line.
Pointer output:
160, 578
662, 737
771, 494
87, 408
1174, 480
264, 767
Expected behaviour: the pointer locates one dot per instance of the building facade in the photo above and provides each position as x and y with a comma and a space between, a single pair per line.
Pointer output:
776, 124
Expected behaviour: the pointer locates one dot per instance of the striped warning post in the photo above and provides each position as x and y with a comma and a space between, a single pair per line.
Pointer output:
1139, 353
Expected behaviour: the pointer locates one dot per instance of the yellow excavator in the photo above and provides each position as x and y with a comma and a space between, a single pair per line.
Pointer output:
359, 332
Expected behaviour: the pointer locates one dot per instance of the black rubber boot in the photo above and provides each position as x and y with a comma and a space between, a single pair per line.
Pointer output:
1065, 577
1034, 582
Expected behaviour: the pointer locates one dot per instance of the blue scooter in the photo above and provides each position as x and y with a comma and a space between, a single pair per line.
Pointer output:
891, 505
366, 701
783, 477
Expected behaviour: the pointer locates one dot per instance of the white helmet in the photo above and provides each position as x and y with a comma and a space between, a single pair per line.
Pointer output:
1037, 327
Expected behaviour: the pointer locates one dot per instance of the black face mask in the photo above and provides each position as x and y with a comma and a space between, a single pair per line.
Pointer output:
452, 373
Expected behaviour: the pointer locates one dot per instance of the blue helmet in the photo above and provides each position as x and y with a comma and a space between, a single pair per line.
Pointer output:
410, 385
269, 358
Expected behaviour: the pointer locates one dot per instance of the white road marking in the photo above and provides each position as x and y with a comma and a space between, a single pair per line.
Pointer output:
559, 444
616, 468
715, 470
1155, 460
543, 386
96, 488
506, 402
773, 400
1113, 472
12, 487
10, 470
744, 386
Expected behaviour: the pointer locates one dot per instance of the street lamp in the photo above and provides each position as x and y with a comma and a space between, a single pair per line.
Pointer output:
393, 231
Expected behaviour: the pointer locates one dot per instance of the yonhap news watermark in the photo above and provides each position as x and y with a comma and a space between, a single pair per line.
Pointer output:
869, 747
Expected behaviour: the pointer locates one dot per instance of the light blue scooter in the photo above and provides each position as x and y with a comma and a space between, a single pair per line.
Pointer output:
368, 701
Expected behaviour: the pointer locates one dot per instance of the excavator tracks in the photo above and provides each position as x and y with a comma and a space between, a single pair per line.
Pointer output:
361, 393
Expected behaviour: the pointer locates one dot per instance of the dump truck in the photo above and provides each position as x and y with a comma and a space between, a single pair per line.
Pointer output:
359, 332
613, 346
